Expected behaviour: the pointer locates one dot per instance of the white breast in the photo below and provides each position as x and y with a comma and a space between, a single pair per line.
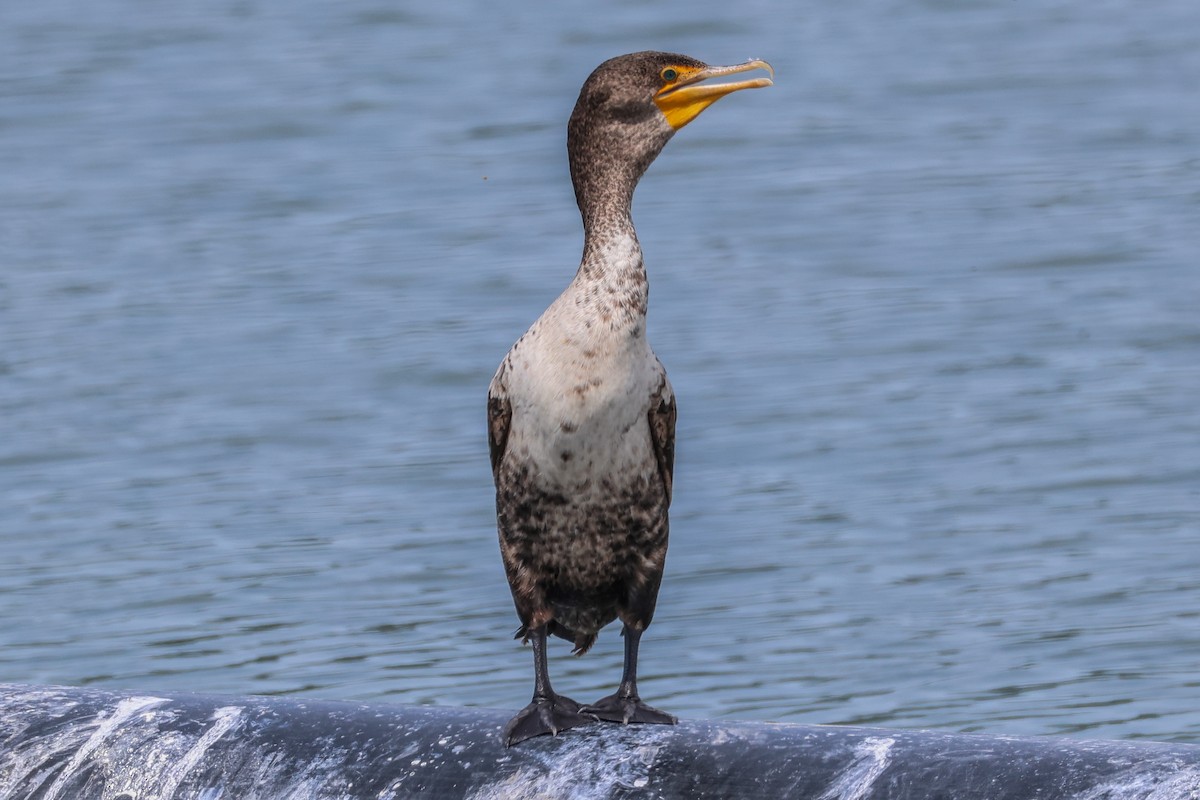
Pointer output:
580, 395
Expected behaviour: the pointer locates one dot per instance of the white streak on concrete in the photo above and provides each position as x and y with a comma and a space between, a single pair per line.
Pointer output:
1143, 783
872, 757
224, 720
125, 710
583, 768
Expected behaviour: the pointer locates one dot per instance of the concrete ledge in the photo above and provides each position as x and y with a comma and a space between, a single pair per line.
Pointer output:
61, 742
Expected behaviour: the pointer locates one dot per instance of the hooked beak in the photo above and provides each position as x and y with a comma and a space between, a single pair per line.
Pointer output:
682, 100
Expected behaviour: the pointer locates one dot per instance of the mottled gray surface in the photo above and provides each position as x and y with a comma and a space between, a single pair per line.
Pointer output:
929, 306
77, 743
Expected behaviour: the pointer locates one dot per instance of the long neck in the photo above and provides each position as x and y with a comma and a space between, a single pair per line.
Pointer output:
610, 243
607, 162
604, 187
612, 276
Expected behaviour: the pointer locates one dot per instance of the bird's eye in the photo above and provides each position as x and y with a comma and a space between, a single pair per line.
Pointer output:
669, 74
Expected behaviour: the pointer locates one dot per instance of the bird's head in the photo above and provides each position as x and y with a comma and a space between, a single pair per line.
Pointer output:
631, 105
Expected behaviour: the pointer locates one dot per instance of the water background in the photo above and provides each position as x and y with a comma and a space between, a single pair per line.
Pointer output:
929, 306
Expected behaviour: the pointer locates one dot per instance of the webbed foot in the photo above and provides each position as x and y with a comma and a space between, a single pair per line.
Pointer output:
545, 715
625, 710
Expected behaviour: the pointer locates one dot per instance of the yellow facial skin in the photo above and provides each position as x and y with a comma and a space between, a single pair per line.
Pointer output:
683, 97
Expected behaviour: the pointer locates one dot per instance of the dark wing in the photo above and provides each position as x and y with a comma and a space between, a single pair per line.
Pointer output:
662, 431
499, 419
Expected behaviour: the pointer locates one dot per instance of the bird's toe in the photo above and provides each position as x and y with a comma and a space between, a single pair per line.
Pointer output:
625, 710
545, 716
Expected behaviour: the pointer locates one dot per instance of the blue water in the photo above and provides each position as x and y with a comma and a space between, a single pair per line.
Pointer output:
928, 304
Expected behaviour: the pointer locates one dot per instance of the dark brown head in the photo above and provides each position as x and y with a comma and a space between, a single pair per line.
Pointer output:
628, 109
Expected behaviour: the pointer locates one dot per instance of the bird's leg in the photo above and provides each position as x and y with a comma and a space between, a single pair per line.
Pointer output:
548, 712
625, 706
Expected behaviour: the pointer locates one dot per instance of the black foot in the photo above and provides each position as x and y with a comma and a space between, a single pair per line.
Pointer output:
545, 716
615, 708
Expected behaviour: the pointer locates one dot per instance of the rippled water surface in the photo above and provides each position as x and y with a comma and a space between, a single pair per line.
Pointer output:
929, 305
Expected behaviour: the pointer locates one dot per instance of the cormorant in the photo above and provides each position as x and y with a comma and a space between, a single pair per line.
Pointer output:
581, 416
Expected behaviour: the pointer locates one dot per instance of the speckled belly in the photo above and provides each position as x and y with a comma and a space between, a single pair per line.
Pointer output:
584, 554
